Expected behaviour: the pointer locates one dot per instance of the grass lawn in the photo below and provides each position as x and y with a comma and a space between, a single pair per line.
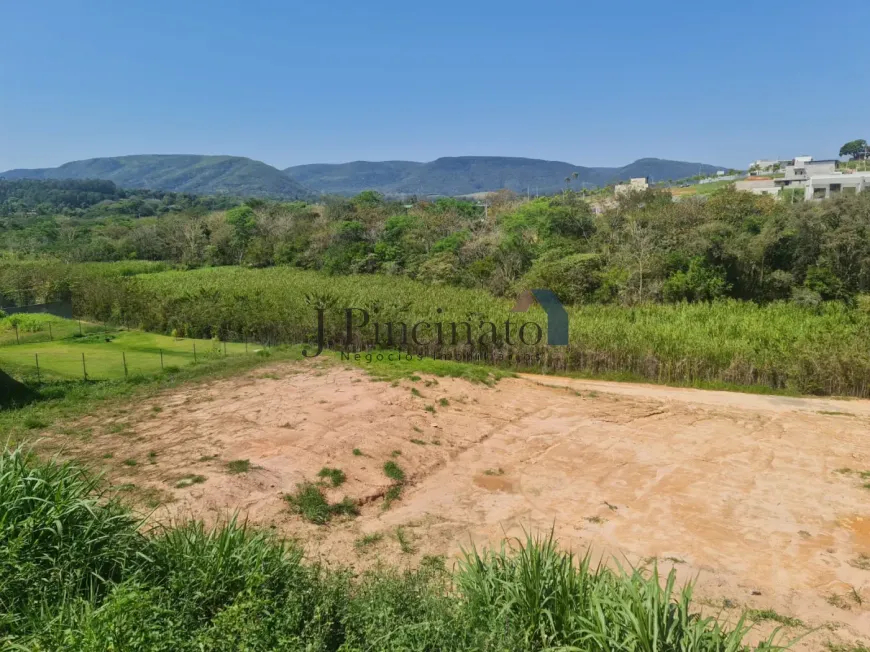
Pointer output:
104, 354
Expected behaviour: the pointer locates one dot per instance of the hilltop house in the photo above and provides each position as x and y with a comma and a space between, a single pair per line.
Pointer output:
633, 185
824, 186
799, 172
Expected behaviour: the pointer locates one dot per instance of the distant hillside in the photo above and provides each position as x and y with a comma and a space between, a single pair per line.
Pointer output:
464, 175
200, 175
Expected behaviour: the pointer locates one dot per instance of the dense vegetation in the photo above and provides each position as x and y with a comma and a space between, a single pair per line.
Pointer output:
759, 292
92, 199
76, 573
462, 175
643, 247
203, 175
782, 345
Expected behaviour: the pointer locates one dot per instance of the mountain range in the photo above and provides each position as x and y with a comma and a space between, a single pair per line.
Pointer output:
459, 175
464, 175
198, 175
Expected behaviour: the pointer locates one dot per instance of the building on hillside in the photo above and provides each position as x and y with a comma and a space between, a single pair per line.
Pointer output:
825, 186
798, 173
758, 186
636, 184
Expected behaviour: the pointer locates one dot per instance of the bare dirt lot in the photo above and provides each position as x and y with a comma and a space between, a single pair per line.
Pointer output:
760, 498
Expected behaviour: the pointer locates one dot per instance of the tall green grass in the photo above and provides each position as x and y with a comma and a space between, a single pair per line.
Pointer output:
782, 346
77, 574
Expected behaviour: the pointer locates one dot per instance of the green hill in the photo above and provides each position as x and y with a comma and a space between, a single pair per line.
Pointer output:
200, 175
464, 175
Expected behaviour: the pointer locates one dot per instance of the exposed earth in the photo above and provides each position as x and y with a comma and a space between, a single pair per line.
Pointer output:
761, 498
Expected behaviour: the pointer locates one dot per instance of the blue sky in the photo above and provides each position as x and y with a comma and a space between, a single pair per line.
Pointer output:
592, 83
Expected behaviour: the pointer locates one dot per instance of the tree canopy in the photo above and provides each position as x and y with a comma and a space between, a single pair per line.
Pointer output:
857, 149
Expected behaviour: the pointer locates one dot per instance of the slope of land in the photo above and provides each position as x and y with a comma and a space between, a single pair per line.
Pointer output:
202, 175
463, 175
761, 497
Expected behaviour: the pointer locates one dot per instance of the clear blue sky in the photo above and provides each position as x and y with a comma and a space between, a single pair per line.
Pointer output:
592, 83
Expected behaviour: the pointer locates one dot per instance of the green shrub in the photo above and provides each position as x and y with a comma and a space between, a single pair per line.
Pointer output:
573, 278
394, 471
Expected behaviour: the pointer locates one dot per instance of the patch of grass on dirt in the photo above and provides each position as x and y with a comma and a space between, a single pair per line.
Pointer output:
443, 402
392, 495
238, 466
336, 477
152, 457
34, 422
357, 452
430, 408
393, 471
419, 442
189, 480
847, 647
498, 471
416, 392
130, 462
367, 541
759, 615
405, 542
311, 504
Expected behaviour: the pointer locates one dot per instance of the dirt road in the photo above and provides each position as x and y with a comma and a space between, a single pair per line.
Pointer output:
761, 498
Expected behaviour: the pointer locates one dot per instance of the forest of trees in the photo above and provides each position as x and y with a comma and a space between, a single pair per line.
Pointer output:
643, 247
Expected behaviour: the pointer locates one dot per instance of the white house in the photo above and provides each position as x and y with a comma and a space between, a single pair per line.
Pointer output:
825, 186
805, 167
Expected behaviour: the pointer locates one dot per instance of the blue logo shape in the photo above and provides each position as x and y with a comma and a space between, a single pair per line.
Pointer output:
557, 316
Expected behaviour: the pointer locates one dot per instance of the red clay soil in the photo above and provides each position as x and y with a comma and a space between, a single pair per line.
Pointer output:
760, 498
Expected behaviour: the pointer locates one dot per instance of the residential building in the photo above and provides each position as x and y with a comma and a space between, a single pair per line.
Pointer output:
825, 186
803, 168
635, 184
758, 186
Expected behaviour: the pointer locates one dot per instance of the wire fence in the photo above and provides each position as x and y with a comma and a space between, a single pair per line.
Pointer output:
89, 351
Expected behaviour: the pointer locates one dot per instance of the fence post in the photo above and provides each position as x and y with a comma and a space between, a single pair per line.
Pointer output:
80, 327
50, 336
38, 377
84, 368
124, 358
161, 359
194, 351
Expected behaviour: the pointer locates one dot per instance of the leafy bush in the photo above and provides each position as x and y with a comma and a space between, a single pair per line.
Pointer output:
574, 279
699, 282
